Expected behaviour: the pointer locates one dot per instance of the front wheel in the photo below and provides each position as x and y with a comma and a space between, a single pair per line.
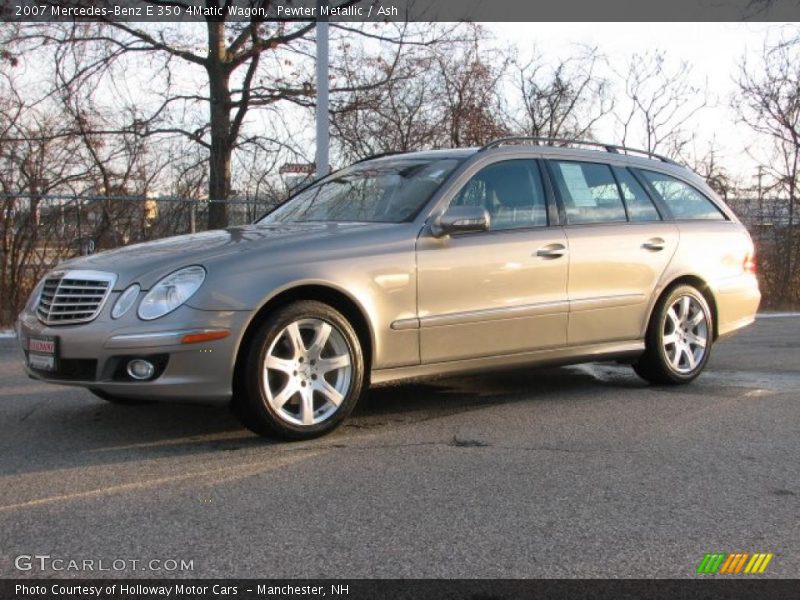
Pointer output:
302, 374
679, 337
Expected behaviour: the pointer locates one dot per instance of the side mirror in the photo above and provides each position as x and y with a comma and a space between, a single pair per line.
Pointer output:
460, 219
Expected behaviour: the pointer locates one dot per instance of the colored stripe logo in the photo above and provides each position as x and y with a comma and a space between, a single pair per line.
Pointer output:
722, 563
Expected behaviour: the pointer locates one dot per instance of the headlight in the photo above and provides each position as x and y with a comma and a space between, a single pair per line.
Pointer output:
125, 301
172, 291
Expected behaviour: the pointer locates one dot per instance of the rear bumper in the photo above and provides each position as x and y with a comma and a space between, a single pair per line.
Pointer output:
737, 301
93, 355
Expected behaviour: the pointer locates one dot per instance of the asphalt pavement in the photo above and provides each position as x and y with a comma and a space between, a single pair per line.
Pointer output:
561, 472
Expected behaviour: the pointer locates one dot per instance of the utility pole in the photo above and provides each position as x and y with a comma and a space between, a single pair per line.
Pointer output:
322, 158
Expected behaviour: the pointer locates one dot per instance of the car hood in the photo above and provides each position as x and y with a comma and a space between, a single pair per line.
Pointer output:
148, 261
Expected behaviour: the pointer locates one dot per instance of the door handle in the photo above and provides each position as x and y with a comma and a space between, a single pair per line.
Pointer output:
654, 244
552, 251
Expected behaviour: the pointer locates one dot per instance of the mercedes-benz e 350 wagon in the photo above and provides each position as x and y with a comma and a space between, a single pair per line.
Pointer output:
402, 266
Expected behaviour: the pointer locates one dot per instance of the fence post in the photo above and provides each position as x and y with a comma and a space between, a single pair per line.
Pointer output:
192, 216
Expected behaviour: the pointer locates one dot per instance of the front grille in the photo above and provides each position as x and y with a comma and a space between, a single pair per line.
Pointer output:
74, 296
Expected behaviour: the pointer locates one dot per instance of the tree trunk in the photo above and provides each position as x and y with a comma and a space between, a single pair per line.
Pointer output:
219, 180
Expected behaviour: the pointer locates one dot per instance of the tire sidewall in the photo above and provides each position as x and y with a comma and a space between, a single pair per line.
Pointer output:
264, 338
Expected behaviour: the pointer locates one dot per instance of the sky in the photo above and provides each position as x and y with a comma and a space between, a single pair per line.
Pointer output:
713, 50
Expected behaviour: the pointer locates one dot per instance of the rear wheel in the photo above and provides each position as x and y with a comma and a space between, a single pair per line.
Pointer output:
679, 337
302, 374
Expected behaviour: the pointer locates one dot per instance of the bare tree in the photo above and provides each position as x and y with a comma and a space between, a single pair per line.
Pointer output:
398, 116
472, 78
708, 165
405, 114
243, 66
660, 103
122, 165
31, 165
565, 99
446, 95
50, 153
768, 101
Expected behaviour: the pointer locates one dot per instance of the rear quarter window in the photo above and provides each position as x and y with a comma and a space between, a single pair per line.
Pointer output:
640, 206
683, 201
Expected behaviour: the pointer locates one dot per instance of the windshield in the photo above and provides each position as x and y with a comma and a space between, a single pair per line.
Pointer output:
386, 191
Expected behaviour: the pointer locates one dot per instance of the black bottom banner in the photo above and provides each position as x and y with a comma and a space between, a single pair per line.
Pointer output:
401, 589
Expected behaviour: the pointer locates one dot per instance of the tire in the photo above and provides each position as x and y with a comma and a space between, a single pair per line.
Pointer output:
302, 374
114, 399
683, 315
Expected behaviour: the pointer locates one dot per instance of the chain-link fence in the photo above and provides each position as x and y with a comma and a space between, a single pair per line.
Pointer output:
39, 231
775, 230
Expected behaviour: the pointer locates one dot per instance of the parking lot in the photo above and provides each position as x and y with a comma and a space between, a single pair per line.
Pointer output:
562, 472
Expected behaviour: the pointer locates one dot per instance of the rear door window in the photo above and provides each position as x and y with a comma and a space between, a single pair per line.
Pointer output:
589, 192
683, 201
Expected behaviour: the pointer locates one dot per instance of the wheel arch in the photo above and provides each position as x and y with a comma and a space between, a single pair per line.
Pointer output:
700, 285
333, 297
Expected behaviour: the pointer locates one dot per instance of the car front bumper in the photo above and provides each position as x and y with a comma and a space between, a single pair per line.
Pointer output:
94, 354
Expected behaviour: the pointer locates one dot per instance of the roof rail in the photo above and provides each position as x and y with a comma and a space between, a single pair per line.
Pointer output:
380, 155
562, 142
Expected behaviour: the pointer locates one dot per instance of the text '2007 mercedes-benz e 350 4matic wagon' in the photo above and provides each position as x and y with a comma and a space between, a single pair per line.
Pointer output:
518, 253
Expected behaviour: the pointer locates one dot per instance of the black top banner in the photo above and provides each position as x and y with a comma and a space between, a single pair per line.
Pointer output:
399, 10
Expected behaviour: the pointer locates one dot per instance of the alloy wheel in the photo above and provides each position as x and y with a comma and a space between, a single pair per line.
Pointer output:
685, 334
308, 369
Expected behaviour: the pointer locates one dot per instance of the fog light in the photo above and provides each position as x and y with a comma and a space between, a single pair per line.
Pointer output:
140, 369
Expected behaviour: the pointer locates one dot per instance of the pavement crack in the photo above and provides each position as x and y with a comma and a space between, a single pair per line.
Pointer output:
456, 442
29, 413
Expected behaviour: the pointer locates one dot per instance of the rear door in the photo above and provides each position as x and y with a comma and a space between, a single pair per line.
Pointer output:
619, 247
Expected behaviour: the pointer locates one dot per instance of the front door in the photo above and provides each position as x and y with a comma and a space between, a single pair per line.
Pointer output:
497, 292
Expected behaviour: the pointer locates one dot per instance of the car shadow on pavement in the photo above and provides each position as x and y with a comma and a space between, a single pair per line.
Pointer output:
68, 428
492, 387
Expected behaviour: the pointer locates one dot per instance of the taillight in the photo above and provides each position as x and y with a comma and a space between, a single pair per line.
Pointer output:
749, 264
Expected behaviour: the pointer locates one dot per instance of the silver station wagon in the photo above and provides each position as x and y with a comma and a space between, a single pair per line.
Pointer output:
522, 252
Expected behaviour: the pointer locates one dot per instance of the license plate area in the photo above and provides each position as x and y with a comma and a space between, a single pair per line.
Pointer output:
43, 353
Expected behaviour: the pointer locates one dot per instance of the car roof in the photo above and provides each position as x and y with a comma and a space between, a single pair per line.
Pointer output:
555, 152
532, 150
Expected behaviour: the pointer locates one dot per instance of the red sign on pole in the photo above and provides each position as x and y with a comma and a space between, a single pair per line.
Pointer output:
297, 169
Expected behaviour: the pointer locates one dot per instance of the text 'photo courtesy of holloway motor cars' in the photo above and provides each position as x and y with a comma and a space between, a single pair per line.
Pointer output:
525, 251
